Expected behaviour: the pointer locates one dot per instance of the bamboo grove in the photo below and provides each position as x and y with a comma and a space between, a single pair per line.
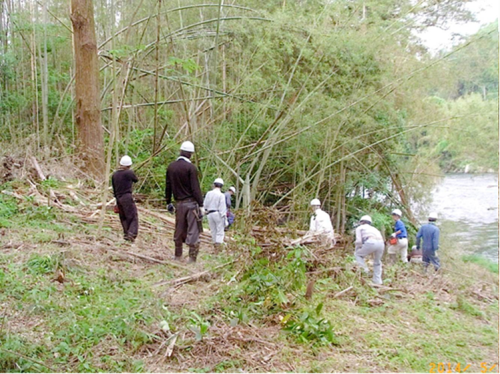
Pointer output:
287, 100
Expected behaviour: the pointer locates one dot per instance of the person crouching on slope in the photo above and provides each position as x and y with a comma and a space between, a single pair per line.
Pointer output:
215, 207
369, 240
122, 181
320, 224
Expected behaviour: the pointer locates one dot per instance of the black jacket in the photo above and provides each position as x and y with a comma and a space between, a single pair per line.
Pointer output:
122, 181
182, 182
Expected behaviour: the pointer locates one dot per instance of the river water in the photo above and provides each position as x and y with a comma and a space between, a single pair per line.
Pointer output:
467, 206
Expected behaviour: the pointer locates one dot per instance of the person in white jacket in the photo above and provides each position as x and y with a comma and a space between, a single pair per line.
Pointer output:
369, 240
215, 207
321, 224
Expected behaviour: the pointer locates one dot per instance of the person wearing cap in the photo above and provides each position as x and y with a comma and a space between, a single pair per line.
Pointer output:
369, 240
320, 223
215, 206
429, 234
230, 215
122, 181
401, 235
182, 182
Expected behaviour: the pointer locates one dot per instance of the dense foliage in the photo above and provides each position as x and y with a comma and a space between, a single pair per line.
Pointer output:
286, 100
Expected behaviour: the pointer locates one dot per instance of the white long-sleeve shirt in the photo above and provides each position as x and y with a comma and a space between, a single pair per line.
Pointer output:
321, 224
365, 232
215, 200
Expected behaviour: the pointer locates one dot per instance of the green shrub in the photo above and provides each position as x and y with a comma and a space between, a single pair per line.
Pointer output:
309, 327
42, 264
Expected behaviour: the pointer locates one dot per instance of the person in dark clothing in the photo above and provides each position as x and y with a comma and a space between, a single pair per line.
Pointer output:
230, 214
429, 234
182, 182
122, 181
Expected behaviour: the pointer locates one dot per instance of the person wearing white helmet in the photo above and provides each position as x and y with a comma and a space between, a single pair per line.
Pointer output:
369, 241
182, 182
230, 215
122, 181
215, 205
321, 224
429, 234
399, 239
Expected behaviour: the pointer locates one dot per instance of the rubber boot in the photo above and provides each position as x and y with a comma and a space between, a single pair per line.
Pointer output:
217, 247
178, 252
193, 253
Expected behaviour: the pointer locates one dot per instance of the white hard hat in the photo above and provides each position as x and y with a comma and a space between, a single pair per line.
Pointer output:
433, 215
232, 189
315, 202
187, 146
397, 212
125, 161
219, 180
366, 218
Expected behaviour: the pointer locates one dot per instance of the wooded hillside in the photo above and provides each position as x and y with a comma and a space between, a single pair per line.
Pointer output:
285, 100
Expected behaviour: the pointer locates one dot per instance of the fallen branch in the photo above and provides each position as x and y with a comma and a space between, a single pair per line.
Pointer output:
38, 168
191, 278
170, 348
168, 220
335, 270
13, 194
147, 258
342, 292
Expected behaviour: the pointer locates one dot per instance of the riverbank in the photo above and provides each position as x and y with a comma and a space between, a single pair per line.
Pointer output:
467, 206
76, 298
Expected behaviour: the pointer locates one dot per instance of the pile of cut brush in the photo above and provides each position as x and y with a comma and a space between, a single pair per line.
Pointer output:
264, 224
273, 237
74, 197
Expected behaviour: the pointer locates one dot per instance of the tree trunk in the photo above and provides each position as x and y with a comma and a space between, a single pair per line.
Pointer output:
88, 111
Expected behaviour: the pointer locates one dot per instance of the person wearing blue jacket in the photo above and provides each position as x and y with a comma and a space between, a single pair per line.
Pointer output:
401, 246
429, 234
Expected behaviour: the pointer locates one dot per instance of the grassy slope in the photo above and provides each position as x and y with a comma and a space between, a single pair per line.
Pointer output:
108, 317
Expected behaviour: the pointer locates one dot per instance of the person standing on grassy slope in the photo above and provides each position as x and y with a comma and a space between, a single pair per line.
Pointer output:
182, 182
429, 234
215, 205
369, 240
122, 181
401, 235
230, 215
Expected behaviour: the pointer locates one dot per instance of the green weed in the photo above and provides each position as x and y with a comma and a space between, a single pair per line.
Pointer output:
50, 183
464, 306
198, 325
309, 327
41, 265
482, 261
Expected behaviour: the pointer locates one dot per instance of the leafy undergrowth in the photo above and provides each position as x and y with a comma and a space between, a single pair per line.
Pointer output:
116, 312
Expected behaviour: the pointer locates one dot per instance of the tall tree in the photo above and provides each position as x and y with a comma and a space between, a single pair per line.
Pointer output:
88, 111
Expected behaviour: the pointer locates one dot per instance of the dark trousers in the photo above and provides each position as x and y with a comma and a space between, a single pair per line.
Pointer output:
186, 225
429, 257
230, 217
128, 215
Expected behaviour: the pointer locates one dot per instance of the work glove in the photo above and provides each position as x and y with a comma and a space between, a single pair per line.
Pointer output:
226, 222
170, 208
202, 211
393, 235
